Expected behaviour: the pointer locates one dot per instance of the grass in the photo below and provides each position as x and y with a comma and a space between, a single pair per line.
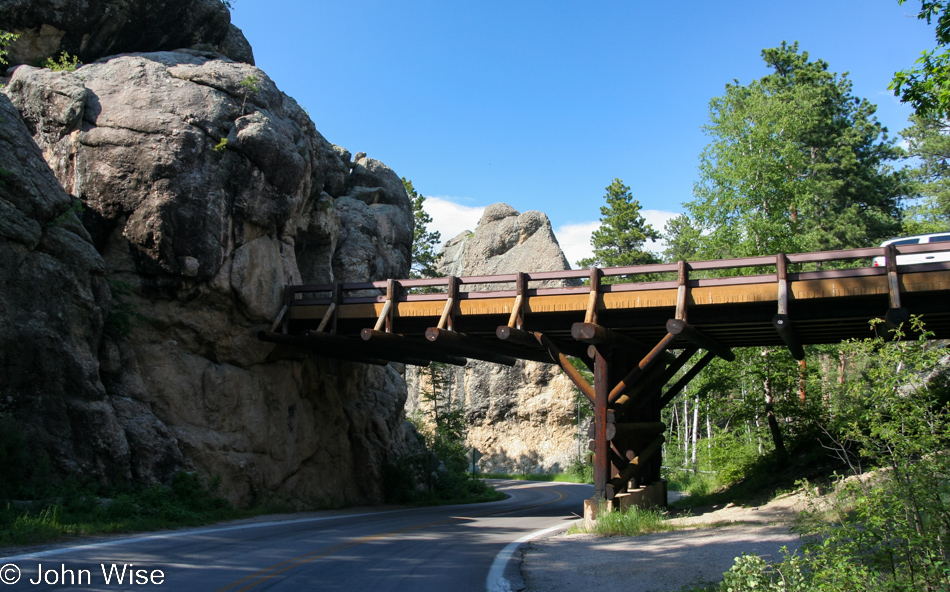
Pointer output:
558, 477
631, 522
78, 510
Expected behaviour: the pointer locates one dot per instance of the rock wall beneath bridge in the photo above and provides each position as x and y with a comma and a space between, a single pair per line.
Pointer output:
524, 419
131, 348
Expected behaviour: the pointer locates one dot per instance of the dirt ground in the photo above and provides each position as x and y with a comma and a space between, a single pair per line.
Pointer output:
663, 562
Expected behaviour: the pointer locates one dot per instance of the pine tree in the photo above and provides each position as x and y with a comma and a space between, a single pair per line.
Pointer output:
424, 257
928, 139
619, 240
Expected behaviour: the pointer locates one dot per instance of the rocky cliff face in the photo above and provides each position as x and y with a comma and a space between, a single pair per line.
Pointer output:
202, 190
522, 418
92, 29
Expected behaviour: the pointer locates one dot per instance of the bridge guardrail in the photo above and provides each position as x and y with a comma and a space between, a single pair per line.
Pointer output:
436, 289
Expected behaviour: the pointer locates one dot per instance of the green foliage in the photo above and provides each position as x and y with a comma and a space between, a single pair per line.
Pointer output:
123, 314
221, 146
623, 232
889, 528
927, 87
928, 139
250, 84
75, 509
424, 257
65, 63
796, 163
752, 573
886, 529
440, 476
5, 40
14, 457
72, 213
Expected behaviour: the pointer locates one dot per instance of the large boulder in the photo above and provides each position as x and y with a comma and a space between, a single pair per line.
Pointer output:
92, 29
206, 190
522, 418
56, 308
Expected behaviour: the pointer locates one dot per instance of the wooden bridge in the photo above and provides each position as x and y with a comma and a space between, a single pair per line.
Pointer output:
634, 327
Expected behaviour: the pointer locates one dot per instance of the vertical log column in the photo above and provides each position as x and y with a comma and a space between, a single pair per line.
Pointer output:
601, 446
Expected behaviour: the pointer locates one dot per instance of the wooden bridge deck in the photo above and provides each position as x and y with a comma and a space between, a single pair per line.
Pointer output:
824, 306
634, 327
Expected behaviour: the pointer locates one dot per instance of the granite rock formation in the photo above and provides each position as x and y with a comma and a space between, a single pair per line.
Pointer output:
522, 418
93, 29
203, 190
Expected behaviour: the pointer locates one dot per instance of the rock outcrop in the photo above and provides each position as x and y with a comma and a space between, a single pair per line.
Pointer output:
522, 418
204, 190
92, 29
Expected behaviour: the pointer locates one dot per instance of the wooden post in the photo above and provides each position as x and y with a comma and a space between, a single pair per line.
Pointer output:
601, 461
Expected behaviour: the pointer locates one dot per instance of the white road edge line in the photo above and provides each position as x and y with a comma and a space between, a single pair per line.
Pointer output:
496, 581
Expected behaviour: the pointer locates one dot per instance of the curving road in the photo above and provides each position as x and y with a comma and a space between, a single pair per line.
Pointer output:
442, 548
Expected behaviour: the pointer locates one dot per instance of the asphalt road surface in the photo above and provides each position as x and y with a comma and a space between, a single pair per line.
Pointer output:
443, 548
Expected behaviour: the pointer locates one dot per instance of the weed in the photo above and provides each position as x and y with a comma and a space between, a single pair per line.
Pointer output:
250, 84
221, 146
123, 314
66, 63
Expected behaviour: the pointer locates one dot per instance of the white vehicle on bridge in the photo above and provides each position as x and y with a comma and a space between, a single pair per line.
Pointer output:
915, 258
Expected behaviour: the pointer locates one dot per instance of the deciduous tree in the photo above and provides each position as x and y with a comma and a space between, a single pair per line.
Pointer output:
795, 163
927, 86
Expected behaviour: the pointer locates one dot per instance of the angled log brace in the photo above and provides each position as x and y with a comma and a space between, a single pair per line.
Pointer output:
690, 375
280, 317
662, 379
572, 373
516, 320
447, 320
628, 381
385, 320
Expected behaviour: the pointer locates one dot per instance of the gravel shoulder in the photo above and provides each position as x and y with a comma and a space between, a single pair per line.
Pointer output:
707, 546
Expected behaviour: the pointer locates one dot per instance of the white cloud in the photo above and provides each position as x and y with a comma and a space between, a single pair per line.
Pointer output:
450, 218
575, 238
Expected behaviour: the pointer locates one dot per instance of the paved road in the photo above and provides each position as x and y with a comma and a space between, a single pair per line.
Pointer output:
447, 548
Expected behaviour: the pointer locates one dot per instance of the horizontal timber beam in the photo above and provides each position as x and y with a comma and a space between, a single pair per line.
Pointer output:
398, 345
689, 333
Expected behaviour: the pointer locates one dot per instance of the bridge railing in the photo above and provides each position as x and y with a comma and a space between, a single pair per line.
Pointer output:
721, 272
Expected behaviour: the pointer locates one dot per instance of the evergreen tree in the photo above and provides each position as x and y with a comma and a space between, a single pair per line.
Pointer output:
928, 140
619, 240
796, 163
424, 257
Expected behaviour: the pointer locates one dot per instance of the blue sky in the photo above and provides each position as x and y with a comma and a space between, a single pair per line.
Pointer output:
540, 104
